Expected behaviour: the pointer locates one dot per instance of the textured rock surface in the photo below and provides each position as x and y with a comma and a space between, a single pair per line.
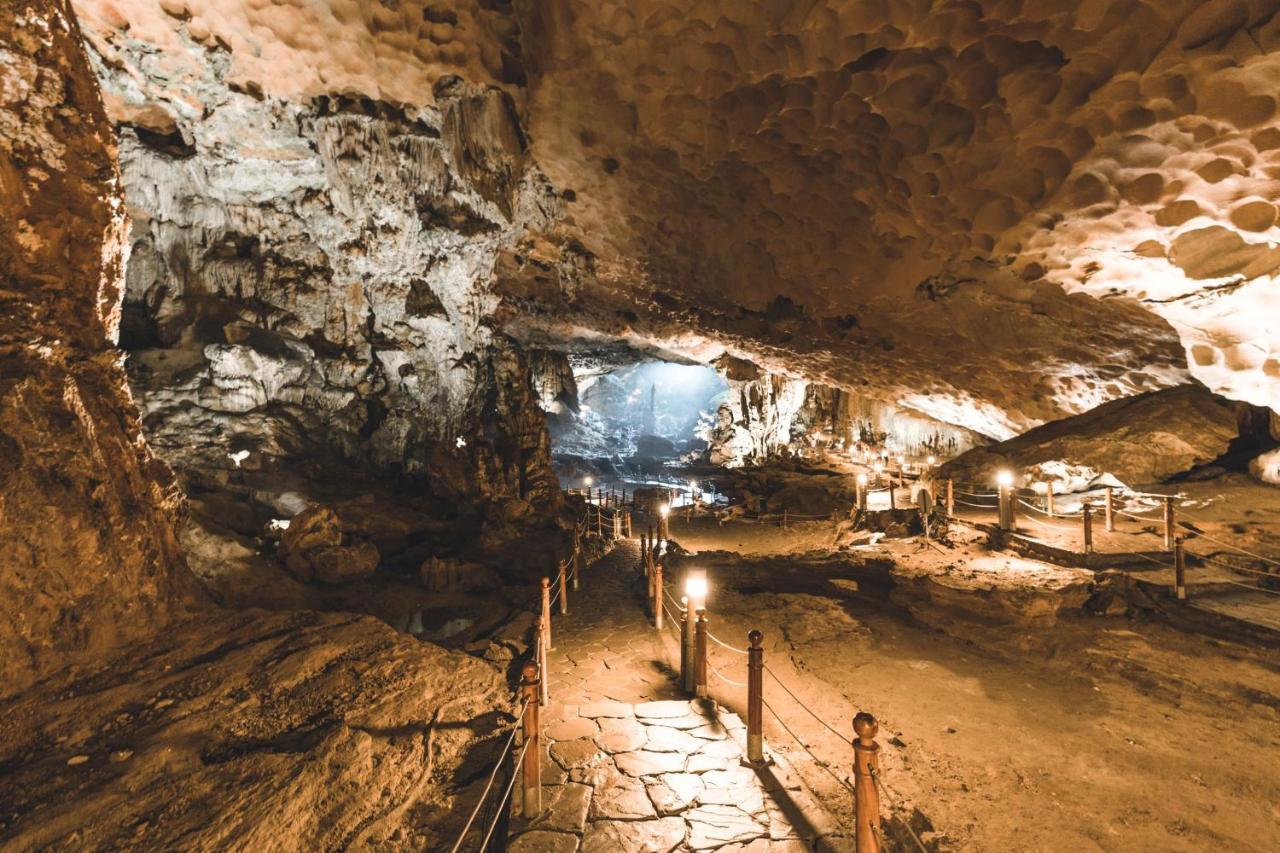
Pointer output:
328, 730
994, 214
1140, 440
88, 556
311, 275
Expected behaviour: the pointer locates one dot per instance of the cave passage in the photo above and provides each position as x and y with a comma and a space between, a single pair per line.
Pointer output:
630, 423
379, 377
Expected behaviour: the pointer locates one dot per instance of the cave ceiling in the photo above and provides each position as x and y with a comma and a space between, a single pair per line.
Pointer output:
996, 213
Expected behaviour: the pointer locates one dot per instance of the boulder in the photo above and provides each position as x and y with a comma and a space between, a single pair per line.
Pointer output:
654, 447
1266, 467
314, 548
802, 499
1143, 439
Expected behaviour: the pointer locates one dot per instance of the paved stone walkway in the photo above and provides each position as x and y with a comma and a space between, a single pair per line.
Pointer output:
631, 764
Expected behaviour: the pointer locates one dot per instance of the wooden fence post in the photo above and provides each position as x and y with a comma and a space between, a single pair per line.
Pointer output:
892, 500
1168, 523
1110, 509
1179, 570
540, 654
700, 657
755, 697
1087, 519
577, 567
866, 764
686, 645
564, 590
951, 497
1048, 498
546, 610
531, 764
658, 593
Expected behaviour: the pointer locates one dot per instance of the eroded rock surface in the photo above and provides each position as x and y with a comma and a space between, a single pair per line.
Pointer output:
88, 555
1139, 440
332, 730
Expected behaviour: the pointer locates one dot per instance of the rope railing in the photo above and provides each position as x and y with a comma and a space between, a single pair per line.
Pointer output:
515, 727
893, 804
506, 796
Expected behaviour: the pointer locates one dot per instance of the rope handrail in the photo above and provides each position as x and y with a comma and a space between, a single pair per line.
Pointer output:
1234, 568
893, 804
810, 711
1208, 538
979, 506
515, 727
506, 795
816, 760
1254, 588
723, 677
721, 642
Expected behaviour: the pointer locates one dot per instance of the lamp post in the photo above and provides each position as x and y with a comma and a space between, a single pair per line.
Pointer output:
1004, 499
860, 491
664, 532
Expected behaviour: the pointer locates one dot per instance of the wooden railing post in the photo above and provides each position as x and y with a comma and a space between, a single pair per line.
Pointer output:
540, 640
700, 657
531, 764
564, 589
577, 566
1168, 523
1179, 570
628, 518
1110, 509
892, 499
546, 610
599, 522
1087, 520
1004, 507
866, 764
1048, 498
658, 592
686, 646
951, 497
755, 697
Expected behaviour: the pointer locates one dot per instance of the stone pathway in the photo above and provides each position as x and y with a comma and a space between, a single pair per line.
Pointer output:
633, 766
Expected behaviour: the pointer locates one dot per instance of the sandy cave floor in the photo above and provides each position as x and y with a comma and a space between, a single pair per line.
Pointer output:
1106, 734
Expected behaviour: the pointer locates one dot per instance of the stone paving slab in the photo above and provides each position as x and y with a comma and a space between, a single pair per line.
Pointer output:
636, 766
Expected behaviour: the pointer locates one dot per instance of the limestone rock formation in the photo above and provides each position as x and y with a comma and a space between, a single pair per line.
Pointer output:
88, 555
311, 274
1139, 440
241, 730
315, 548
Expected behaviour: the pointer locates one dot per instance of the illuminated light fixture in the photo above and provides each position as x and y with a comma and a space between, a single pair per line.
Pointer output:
902, 460
862, 479
930, 460
695, 588
1004, 479
664, 510
588, 480
877, 467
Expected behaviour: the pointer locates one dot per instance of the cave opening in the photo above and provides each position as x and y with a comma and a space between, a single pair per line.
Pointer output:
632, 421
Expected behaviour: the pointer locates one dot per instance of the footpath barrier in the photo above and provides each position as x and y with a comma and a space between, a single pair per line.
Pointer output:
1177, 530
534, 689
693, 638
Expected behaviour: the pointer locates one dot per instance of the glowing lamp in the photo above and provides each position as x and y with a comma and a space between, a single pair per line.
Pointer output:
930, 460
588, 480
878, 467
902, 460
695, 588
664, 510
862, 479
1004, 479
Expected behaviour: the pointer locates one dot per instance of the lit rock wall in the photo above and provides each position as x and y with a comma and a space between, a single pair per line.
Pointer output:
756, 418
310, 270
844, 415
994, 213
88, 557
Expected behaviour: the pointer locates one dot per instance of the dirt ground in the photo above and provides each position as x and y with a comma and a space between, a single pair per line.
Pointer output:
1109, 734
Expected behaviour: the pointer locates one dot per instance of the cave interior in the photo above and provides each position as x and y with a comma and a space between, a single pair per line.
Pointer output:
353, 351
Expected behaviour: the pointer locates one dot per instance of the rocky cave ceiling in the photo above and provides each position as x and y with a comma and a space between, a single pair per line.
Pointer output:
995, 213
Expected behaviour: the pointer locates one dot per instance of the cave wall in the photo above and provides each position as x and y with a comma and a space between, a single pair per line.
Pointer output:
88, 556
310, 271
852, 417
